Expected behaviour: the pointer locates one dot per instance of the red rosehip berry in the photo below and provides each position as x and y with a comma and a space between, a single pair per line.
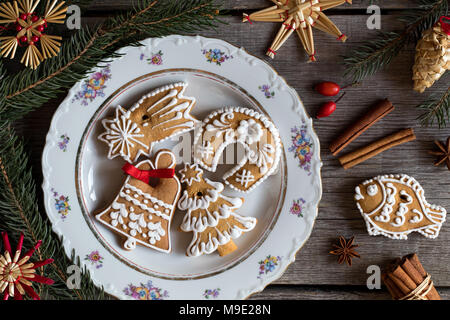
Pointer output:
35, 38
23, 39
40, 28
328, 108
328, 88
18, 28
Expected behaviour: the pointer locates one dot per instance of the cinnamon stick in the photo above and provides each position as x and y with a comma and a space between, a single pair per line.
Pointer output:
405, 276
413, 261
362, 154
357, 128
393, 290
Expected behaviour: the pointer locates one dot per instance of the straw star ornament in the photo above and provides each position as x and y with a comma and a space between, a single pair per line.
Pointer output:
27, 29
17, 273
299, 16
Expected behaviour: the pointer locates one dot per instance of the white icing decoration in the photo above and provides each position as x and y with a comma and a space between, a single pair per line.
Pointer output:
358, 195
199, 216
385, 216
149, 197
121, 135
262, 158
248, 132
245, 177
205, 150
130, 244
155, 232
434, 214
372, 190
417, 218
196, 177
402, 210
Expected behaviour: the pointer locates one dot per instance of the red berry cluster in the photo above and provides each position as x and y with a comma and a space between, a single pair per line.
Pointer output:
329, 89
30, 18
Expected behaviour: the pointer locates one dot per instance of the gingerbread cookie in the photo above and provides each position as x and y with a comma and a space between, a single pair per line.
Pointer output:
395, 206
142, 213
210, 215
255, 132
158, 115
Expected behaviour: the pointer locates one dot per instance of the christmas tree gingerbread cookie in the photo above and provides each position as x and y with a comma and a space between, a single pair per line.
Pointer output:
142, 211
158, 115
255, 132
210, 215
395, 206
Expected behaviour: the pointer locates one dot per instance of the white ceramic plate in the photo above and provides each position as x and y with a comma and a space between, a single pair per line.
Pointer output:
79, 180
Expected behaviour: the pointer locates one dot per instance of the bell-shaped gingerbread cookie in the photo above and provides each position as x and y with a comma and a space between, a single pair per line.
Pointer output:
142, 213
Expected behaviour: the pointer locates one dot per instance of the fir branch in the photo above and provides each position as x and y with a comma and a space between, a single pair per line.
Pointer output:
19, 213
88, 48
377, 53
436, 109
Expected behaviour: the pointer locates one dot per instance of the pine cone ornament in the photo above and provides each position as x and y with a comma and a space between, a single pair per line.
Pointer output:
432, 55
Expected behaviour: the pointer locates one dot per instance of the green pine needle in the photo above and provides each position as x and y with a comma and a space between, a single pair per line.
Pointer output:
436, 109
377, 53
19, 212
93, 46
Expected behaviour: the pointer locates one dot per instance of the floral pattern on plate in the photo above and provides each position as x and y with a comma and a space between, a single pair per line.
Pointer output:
302, 147
297, 207
268, 265
267, 92
211, 293
154, 58
145, 292
62, 144
95, 259
216, 56
93, 86
61, 204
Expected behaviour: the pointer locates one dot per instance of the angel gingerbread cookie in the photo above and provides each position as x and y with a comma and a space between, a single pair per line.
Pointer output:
142, 213
395, 206
255, 132
158, 115
210, 215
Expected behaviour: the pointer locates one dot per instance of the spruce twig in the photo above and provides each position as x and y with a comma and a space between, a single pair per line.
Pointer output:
91, 47
436, 109
19, 212
377, 53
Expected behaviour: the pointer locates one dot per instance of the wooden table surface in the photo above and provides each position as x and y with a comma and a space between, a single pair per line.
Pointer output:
315, 274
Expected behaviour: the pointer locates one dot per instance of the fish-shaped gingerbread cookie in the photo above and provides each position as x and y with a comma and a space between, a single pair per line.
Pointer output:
395, 206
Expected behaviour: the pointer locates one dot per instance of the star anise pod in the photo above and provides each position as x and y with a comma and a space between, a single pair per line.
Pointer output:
443, 154
345, 250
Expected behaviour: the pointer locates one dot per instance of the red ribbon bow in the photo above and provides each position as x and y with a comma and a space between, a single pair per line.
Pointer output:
145, 175
445, 24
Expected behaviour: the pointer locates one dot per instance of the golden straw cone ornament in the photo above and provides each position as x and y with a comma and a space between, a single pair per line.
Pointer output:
299, 16
432, 55
24, 28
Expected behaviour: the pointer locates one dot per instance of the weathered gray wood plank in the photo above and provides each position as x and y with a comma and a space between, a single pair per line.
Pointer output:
279, 292
100, 5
